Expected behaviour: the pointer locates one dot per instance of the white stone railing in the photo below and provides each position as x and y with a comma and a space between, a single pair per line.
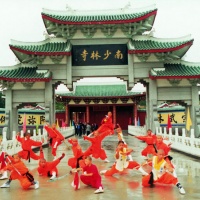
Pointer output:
13, 146
189, 145
137, 130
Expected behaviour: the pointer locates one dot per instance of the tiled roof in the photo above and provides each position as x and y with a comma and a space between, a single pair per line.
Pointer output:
88, 17
46, 47
136, 46
155, 45
25, 74
176, 70
98, 91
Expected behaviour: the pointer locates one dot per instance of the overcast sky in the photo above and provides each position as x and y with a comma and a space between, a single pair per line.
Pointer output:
21, 20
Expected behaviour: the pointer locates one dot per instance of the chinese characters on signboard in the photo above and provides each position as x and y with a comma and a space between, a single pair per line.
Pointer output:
31, 119
176, 118
113, 54
2, 119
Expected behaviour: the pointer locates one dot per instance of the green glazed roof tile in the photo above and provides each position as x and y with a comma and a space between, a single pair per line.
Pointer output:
25, 74
67, 17
49, 47
151, 44
99, 91
176, 70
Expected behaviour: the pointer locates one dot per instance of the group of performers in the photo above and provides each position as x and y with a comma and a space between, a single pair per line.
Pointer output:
156, 155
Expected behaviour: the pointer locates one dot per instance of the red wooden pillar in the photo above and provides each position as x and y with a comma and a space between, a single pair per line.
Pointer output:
87, 114
114, 115
135, 114
67, 115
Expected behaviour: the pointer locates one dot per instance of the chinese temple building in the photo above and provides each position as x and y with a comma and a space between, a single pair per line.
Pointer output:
109, 43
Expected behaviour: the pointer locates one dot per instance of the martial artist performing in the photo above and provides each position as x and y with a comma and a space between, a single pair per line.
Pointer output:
56, 138
27, 143
49, 169
19, 171
161, 173
121, 163
95, 149
150, 140
4, 175
90, 175
78, 159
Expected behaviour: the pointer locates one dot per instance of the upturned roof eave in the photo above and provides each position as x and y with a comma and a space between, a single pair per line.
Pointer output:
174, 77
45, 17
68, 53
135, 51
26, 79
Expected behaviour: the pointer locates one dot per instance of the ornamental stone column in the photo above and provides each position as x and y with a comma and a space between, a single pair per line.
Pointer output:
153, 110
195, 110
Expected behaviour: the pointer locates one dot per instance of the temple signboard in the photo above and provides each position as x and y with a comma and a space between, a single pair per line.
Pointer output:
107, 54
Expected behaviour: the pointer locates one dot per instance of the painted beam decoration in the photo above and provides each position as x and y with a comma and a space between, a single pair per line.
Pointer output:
107, 54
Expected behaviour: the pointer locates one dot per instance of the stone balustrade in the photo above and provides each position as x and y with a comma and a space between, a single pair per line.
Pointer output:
189, 145
13, 146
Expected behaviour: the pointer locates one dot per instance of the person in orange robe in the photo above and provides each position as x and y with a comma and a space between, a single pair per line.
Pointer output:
95, 148
166, 148
27, 143
121, 163
161, 145
161, 173
106, 125
150, 140
78, 159
49, 168
56, 138
19, 171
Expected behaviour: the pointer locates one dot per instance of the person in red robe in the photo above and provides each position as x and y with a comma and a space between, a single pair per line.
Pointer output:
150, 140
49, 169
95, 148
122, 163
106, 125
27, 143
90, 175
2, 162
56, 138
78, 159
19, 171
161, 173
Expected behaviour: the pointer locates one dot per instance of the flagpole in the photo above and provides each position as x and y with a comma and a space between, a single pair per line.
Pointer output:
24, 123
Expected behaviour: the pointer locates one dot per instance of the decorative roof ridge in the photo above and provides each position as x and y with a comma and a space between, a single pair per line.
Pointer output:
146, 37
101, 84
183, 62
100, 12
48, 40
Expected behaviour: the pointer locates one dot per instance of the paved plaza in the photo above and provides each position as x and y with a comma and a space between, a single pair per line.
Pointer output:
126, 186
